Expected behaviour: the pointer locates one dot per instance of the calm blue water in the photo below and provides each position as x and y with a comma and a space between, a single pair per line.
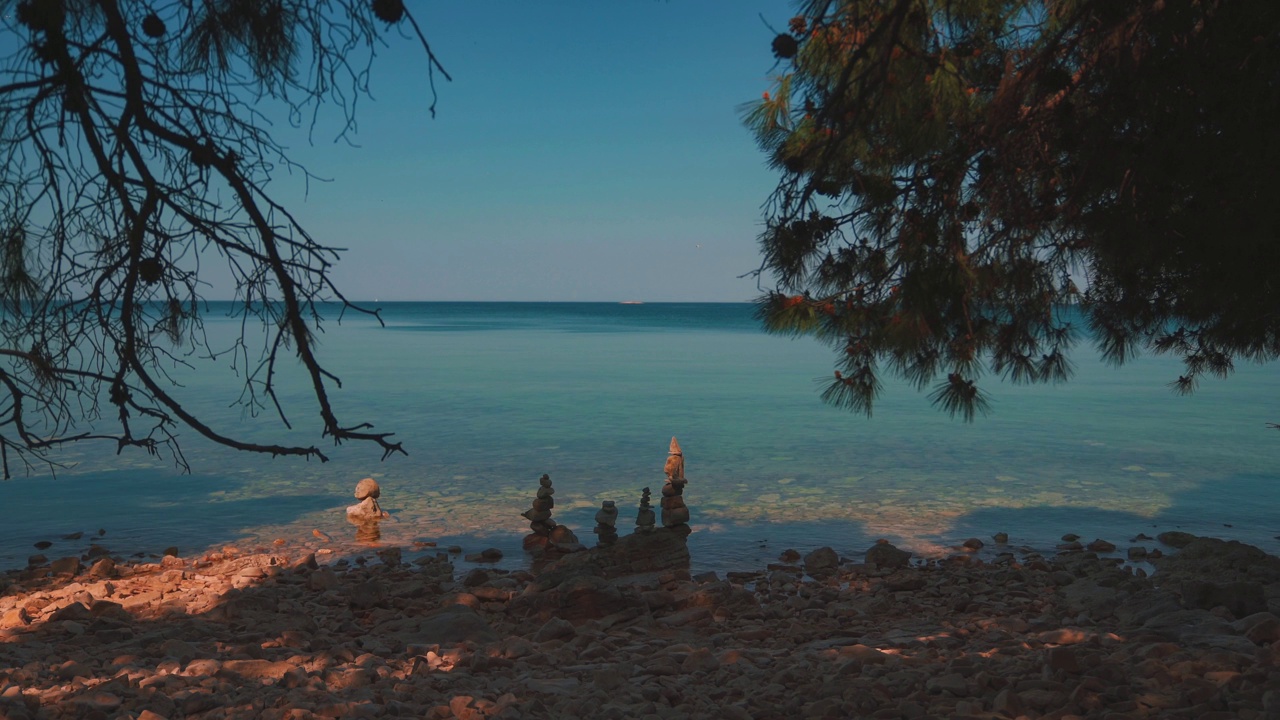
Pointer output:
488, 396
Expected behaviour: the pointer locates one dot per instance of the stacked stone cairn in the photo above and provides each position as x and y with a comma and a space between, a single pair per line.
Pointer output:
645, 518
367, 515
367, 492
674, 511
539, 516
547, 535
606, 523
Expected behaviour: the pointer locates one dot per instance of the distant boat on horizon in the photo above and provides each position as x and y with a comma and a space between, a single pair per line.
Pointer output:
631, 302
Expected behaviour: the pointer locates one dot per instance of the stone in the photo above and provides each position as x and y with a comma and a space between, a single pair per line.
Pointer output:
540, 522
664, 550
1001, 538
366, 595
367, 488
905, 579
606, 523
66, 566
562, 535
555, 629
646, 519
885, 555
822, 561
972, 544
1240, 598
451, 625
1101, 546
103, 568
674, 467
1062, 659
950, 683
1175, 538
674, 511
607, 514
367, 510
1262, 628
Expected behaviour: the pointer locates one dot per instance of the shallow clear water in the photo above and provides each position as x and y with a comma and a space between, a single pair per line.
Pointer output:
488, 396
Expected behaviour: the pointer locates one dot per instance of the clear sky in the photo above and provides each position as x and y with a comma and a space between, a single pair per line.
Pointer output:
585, 150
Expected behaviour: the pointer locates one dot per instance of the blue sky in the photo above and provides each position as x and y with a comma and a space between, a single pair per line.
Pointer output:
585, 150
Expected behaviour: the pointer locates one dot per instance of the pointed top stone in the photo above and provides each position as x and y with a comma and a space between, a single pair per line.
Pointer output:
675, 447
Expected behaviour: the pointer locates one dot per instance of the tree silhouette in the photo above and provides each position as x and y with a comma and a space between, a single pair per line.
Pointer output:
134, 149
963, 181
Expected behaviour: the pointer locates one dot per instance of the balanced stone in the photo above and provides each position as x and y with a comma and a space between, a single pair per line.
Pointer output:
674, 468
367, 510
607, 514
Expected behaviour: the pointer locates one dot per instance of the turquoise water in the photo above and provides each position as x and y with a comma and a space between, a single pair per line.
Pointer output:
488, 396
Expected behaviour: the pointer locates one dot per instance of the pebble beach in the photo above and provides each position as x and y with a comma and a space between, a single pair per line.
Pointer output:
326, 629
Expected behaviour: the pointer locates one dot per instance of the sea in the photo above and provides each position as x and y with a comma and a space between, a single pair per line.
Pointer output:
487, 397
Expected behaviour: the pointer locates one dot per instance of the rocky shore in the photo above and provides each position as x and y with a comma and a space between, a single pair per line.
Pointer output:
303, 632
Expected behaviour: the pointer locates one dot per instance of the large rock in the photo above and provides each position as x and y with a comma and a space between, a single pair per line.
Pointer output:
885, 555
1176, 538
659, 551
1221, 561
822, 561
1240, 598
581, 597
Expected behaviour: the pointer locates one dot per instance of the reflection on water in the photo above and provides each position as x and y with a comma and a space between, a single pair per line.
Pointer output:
368, 531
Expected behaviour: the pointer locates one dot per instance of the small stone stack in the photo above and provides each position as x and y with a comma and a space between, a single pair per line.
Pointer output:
367, 492
539, 516
645, 518
606, 523
674, 511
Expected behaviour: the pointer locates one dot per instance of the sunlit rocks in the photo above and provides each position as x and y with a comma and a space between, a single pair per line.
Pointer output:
367, 492
674, 467
367, 514
674, 511
606, 523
